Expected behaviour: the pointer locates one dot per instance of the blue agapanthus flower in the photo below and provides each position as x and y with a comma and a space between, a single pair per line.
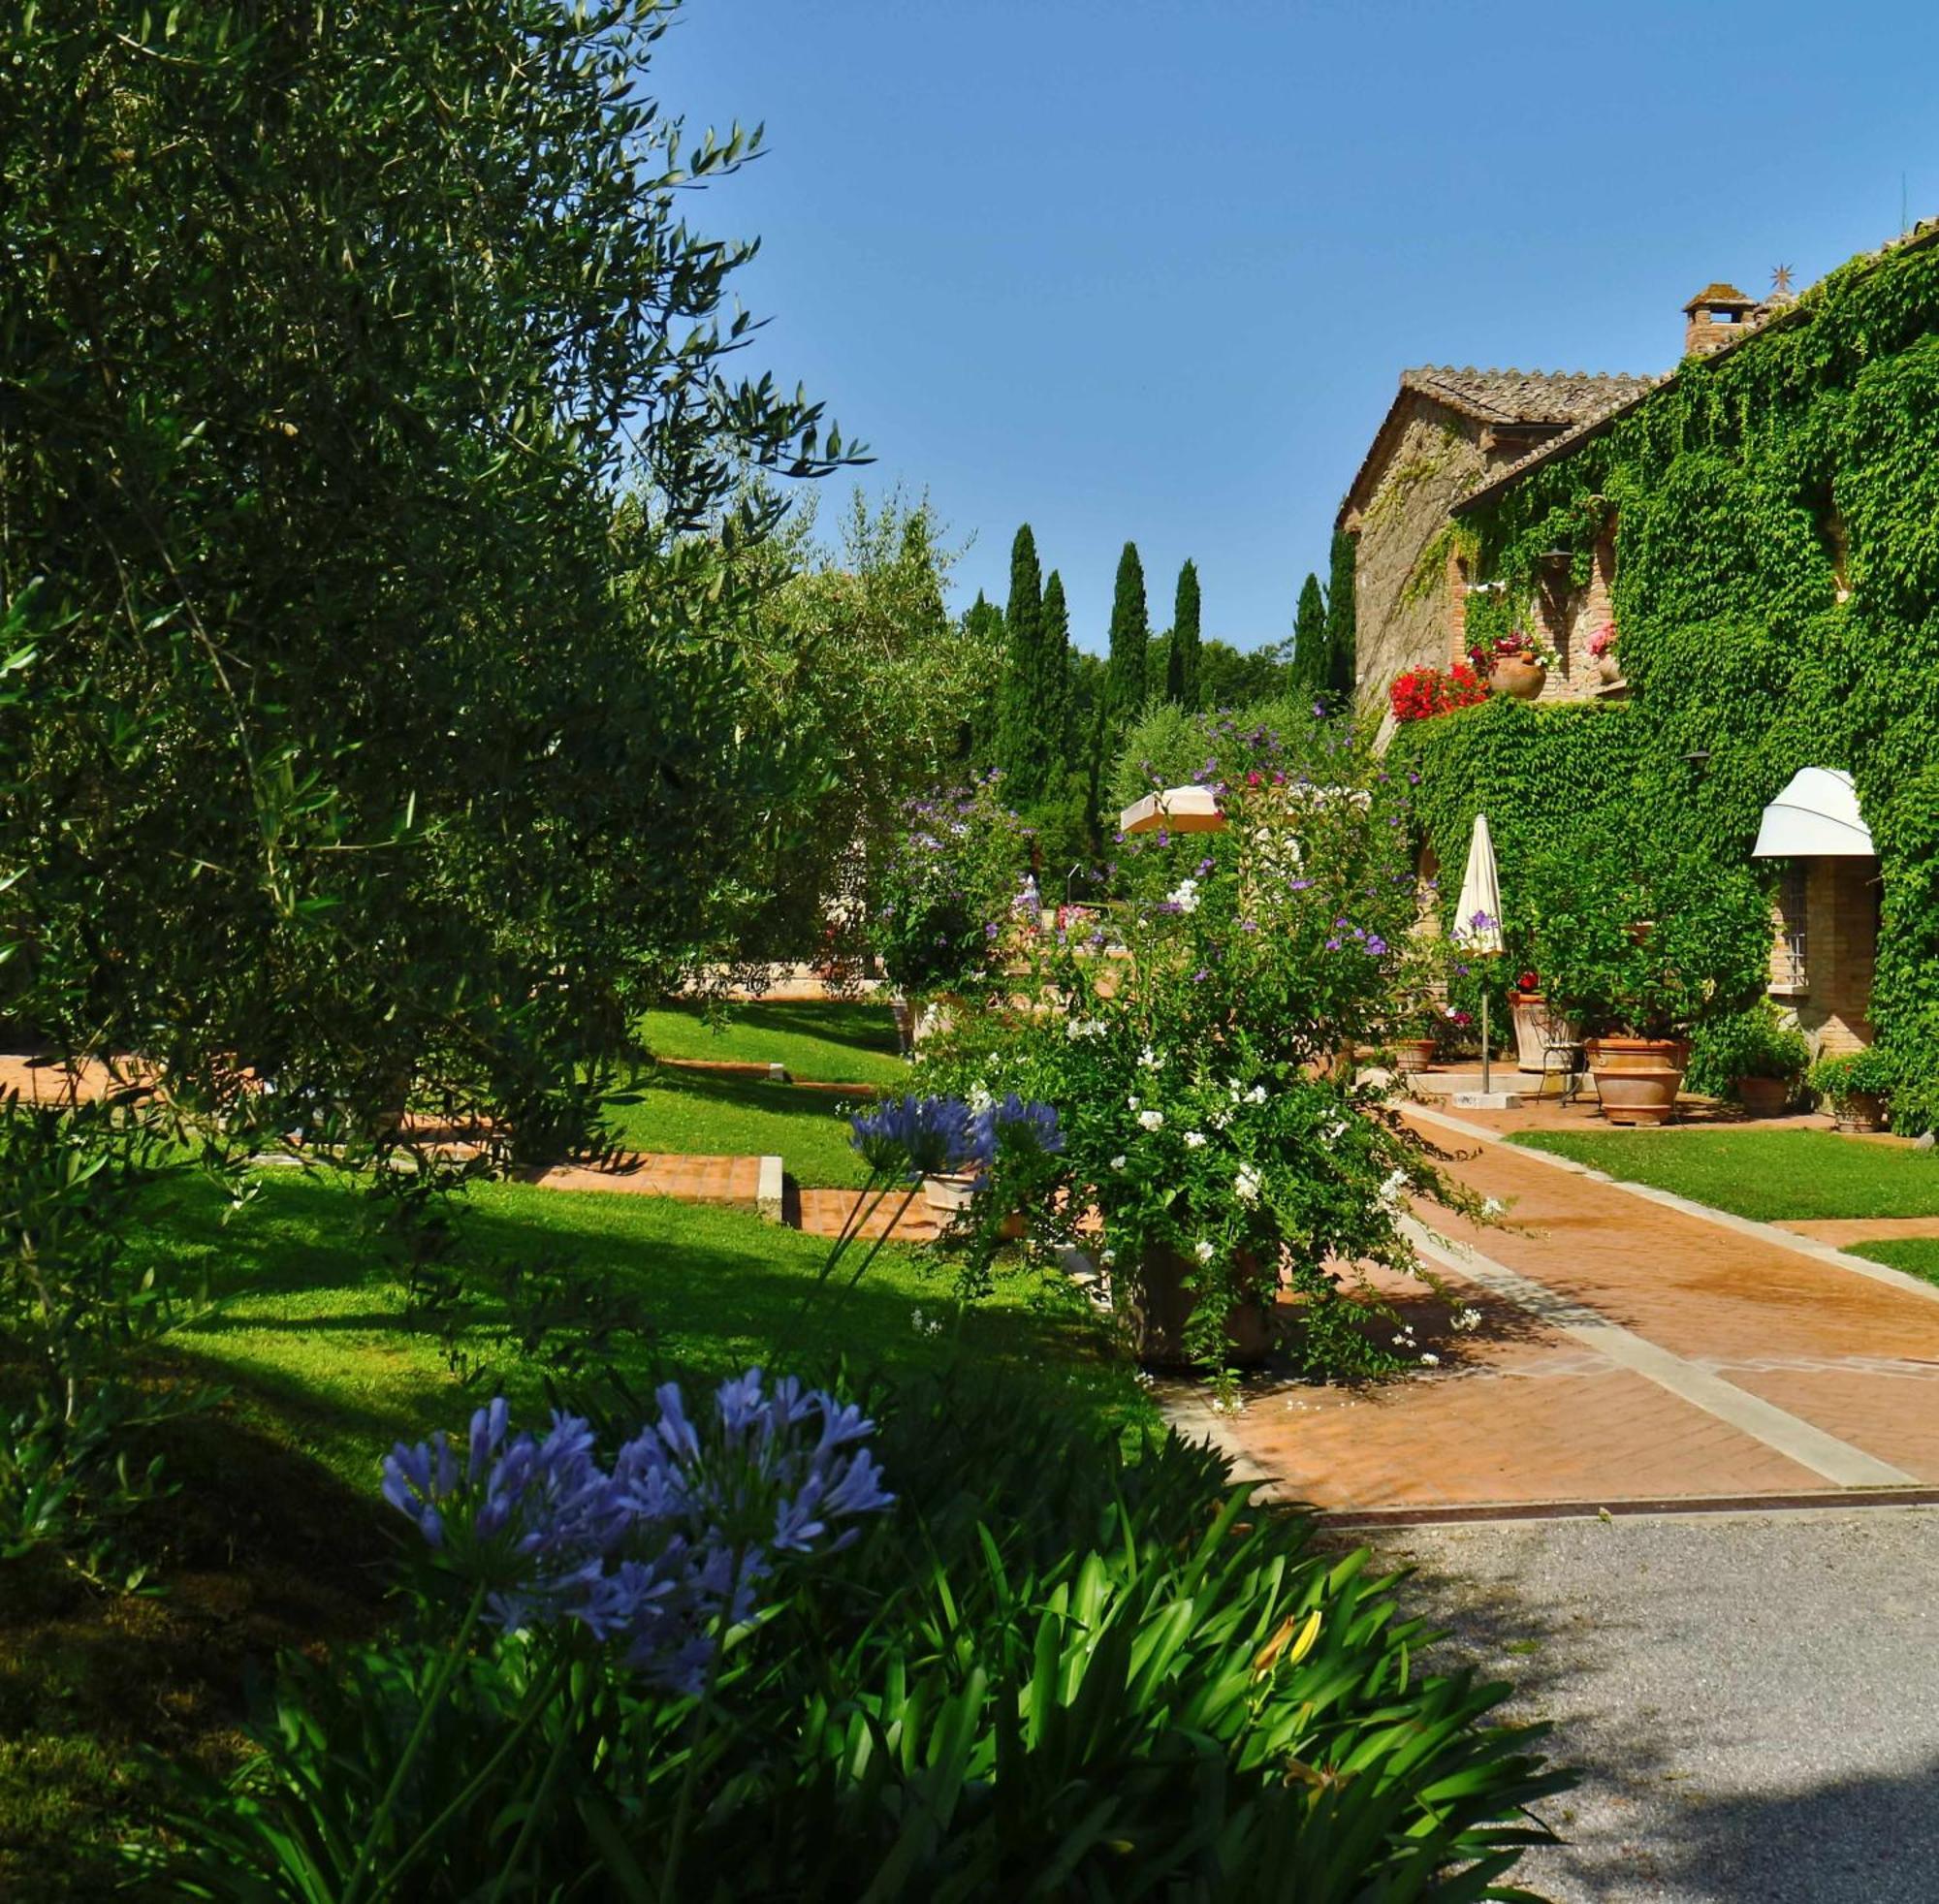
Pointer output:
662, 1552
916, 1137
1010, 1121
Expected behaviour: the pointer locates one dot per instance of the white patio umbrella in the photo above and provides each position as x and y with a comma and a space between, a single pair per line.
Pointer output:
1477, 921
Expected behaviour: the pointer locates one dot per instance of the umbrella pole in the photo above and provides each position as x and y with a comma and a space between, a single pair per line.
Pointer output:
1487, 1045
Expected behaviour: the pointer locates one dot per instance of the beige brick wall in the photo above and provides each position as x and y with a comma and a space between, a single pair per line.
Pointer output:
1840, 954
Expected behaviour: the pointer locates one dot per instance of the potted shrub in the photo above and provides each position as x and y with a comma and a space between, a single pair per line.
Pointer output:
1756, 1057
1233, 1183
1517, 663
1858, 1085
1640, 945
1602, 651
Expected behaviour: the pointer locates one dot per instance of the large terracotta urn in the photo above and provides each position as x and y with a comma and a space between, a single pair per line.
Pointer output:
1536, 1027
1637, 1079
1158, 1305
1519, 676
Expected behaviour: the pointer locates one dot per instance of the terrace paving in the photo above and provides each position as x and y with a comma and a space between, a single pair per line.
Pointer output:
1628, 1352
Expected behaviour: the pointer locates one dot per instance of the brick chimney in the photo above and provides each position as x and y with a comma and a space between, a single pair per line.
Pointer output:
1719, 314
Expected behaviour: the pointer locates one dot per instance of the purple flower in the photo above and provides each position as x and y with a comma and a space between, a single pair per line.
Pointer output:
662, 1552
915, 1136
1010, 1121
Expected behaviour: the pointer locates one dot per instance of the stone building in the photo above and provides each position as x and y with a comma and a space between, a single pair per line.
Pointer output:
1449, 434
1450, 437
1452, 443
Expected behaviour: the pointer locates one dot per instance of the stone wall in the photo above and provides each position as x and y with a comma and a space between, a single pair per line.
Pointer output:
1568, 616
1401, 580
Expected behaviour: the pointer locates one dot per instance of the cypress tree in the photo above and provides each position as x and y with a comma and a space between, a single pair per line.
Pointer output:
1130, 633
1181, 662
1312, 662
1054, 697
1342, 674
1019, 741
982, 734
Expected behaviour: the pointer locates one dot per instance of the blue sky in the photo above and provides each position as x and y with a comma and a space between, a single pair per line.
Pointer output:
1149, 271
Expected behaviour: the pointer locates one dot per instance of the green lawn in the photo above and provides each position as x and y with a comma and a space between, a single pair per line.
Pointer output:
1780, 1176
845, 1042
692, 1113
276, 1537
1917, 1256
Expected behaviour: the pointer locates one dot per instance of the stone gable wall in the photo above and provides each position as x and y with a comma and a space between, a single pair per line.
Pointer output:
1402, 610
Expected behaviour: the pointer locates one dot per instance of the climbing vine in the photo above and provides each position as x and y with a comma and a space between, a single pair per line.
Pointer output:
1777, 595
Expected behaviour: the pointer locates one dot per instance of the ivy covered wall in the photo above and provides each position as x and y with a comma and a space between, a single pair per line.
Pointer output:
1776, 597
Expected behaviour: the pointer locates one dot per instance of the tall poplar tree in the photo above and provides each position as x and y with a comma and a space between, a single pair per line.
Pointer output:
1131, 636
1181, 664
1312, 660
1020, 749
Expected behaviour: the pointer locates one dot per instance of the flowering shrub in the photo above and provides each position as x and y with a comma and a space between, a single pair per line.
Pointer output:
1602, 642
663, 1551
954, 878
879, 1725
1504, 647
1206, 1115
1421, 693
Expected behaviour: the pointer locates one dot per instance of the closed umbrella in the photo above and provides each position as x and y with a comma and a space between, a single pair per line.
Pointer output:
1477, 921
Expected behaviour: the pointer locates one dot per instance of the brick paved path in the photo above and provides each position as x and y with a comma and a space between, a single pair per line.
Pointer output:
1627, 1352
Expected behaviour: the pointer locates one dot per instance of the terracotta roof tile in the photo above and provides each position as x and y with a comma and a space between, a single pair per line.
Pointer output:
1521, 396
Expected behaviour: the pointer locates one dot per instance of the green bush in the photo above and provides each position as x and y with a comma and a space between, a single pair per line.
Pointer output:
1758, 1044
1870, 1074
1051, 1672
1643, 937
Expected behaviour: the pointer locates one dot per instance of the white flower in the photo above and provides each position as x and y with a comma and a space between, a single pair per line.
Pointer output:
1393, 1193
1084, 1028
1118, 1162
1257, 1095
979, 1098
1334, 1132
1430, 1361
1232, 1089
1184, 896
1246, 1185
1134, 1102
1203, 1251
1194, 1140
1492, 1206
1107, 1258
1465, 1320
1152, 1120
1150, 1059
1400, 1342
1219, 1119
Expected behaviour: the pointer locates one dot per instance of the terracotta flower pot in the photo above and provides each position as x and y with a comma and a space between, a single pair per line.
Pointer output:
1859, 1111
1157, 1306
1518, 676
1763, 1097
950, 1195
1536, 1025
1637, 1079
1609, 669
1411, 1054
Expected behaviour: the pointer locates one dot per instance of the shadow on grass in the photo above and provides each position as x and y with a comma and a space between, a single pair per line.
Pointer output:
860, 1026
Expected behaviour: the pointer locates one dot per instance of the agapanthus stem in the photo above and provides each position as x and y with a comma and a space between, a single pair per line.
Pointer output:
535, 1704
568, 1726
682, 1809
435, 1694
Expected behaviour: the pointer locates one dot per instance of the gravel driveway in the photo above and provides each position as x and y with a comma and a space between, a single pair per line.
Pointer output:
1753, 1699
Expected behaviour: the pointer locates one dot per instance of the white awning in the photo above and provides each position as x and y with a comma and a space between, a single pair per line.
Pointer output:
1815, 817
1176, 810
